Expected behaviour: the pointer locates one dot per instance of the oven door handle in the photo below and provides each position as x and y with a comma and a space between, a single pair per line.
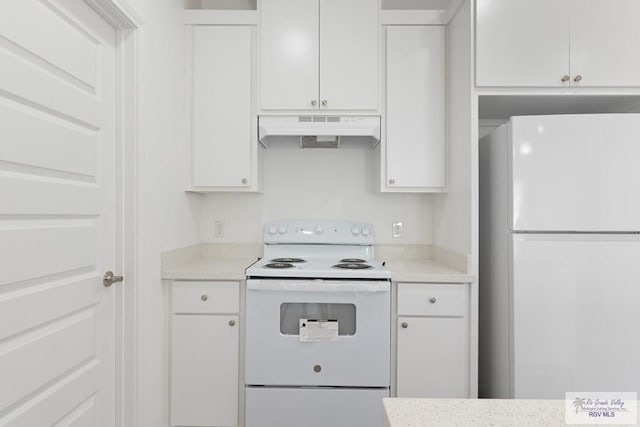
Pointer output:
318, 286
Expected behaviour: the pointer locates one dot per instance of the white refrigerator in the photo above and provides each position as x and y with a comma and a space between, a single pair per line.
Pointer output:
560, 256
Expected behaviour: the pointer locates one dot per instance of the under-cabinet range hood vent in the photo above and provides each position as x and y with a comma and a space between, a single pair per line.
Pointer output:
308, 131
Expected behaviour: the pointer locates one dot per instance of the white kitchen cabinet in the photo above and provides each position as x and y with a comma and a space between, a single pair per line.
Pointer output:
432, 340
223, 118
319, 54
204, 354
414, 149
551, 43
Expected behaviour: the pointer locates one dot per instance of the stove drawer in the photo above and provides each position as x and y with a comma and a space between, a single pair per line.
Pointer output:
428, 299
314, 407
205, 297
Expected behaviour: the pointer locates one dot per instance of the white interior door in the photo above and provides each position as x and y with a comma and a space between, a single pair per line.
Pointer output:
575, 314
57, 214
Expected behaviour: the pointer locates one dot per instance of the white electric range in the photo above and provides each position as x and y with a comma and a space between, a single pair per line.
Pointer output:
317, 338
319, 249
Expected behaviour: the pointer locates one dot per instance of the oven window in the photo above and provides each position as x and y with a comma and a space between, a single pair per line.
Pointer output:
292, 312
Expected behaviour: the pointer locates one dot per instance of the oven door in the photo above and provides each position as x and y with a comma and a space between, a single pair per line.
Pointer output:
345, 339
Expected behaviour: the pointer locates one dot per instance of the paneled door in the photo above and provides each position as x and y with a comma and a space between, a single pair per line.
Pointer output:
57, 214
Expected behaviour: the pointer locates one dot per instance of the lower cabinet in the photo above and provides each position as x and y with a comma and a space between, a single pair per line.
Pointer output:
432, 340
204, 354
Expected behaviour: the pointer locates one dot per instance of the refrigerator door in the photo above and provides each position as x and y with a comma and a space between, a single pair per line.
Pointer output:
576, 172
574, 314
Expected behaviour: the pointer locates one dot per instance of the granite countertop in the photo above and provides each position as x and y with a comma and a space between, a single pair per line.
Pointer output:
401, 412
229, 262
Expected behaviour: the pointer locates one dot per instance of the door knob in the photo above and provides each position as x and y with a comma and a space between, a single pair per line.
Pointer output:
109, 279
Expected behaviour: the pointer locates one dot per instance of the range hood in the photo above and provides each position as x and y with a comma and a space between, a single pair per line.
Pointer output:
311, 131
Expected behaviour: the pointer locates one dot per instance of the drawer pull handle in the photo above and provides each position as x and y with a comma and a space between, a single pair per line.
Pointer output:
405, 325
433, 300
232, 323
204, 297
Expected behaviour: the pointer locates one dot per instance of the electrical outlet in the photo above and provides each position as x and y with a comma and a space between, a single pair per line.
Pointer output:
396, 229
218, 227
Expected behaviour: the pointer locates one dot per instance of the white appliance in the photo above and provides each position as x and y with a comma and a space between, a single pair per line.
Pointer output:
318, 131
317, 338
560, 256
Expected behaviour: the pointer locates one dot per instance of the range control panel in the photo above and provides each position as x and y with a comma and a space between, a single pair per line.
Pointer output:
319, 232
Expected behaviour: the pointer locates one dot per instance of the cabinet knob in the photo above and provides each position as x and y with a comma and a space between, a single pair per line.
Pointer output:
565, 78
245, 180
392, 181
204, 297
324, 102
317, 368
232, 322
404, 325
577, 78
314, 102
433, 300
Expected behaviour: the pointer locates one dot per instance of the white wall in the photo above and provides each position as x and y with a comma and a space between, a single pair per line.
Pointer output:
317, 184
167, 217
453, 210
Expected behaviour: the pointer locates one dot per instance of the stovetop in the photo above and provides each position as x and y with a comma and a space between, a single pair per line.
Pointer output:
319, 268
319, 249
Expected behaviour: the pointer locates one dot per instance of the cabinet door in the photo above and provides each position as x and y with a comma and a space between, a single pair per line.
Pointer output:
522, 42
415, 110
223, 119
204, 374
433, 357
289, 54
349, 53
605, 42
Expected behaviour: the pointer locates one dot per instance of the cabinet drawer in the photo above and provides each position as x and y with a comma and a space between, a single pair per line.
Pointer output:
421, 299
206, 297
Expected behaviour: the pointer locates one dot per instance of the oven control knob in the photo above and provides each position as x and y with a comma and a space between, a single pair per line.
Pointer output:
272, 230
355, 231
365, 231
282, 229
318, 229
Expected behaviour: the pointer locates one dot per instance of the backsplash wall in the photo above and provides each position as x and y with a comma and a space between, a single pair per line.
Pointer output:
317, 184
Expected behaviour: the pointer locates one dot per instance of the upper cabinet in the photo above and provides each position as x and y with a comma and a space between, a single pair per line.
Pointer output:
556, 43
414, 149
319, 54
223, 120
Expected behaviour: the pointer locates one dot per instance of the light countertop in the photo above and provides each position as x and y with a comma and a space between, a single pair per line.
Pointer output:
425, 271
229, 262
209, 269
209, 262
400, 412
